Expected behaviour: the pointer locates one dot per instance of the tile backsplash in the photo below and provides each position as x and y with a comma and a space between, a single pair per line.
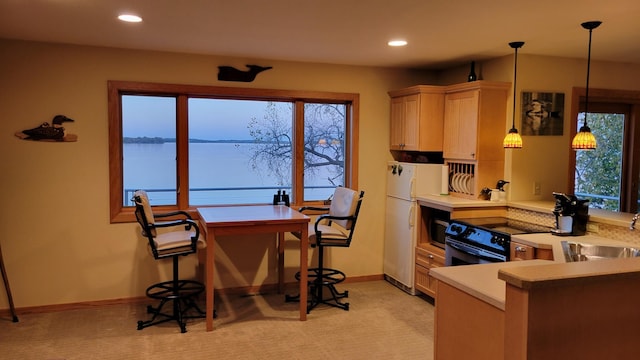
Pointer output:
608, 231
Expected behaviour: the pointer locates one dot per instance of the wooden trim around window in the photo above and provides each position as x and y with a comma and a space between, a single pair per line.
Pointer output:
626, 98
115, 89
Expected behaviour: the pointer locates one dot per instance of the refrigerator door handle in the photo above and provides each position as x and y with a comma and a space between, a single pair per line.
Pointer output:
412, 209
412, 186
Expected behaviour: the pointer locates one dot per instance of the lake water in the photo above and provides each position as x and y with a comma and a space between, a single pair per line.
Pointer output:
212, 166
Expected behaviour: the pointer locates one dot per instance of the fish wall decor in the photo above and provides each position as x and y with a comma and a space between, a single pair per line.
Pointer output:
229, 73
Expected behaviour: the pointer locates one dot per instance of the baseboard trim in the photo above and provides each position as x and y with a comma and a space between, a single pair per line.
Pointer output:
244, 290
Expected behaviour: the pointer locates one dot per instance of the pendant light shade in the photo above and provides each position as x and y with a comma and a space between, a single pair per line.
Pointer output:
513, 140
584, 139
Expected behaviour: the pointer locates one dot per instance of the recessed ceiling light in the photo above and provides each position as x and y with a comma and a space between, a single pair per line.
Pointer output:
130, 18
397, 43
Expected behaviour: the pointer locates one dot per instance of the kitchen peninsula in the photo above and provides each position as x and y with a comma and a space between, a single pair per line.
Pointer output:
539, 309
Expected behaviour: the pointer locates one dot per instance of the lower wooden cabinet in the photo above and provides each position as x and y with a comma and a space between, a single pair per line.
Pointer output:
520, 251
427, 257
467, 327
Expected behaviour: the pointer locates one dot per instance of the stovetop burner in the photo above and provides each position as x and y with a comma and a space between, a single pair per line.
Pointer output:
507, 226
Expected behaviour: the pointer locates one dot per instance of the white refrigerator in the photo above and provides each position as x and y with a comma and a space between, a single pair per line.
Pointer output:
404, 182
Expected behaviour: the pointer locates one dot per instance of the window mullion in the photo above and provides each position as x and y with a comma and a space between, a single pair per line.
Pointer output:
182, 152
298, 152
351, 153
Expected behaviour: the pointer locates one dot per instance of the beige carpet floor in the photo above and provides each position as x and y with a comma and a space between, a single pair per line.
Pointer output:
382, 323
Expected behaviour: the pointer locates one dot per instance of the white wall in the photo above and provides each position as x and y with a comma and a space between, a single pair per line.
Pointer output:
58, 244
546, 158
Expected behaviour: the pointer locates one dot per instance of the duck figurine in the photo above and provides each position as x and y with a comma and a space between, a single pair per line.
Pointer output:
500, 185
48, 132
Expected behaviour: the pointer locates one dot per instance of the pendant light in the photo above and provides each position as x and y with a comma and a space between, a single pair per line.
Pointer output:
584, 139
513, 140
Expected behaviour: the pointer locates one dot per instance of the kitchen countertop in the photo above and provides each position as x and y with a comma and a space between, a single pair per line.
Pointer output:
583, 272
448, 202
548, 241
481, 281
487, 281
595, 215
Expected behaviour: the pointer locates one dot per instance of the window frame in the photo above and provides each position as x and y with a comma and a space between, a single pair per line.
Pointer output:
115, 89
631, 148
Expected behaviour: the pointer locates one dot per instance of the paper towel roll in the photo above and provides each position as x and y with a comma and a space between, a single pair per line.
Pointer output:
444, 184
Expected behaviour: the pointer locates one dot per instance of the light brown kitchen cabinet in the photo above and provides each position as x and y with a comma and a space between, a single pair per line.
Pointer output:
520, 251
417, 116
461, 112
475, 120
427, 258
467, 327
474, 127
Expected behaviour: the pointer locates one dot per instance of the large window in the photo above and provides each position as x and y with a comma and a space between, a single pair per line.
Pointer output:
608, 176
191, 145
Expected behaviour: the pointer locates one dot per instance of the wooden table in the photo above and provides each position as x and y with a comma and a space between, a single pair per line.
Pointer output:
253, 219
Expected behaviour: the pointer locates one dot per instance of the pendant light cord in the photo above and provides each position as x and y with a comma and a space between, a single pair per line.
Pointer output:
589, 25
515, 45
515, 77
586, 95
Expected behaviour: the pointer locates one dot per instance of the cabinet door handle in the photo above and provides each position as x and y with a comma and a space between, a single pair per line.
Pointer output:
521, 249
430, 256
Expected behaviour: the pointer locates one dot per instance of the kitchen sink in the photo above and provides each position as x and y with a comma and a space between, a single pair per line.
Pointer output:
575, 251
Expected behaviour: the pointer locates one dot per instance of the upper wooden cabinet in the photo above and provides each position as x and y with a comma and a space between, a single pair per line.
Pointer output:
417, 117
466, 122
474, 120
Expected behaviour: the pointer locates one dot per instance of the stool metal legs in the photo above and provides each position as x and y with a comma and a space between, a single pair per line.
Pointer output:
318, 279
181, 294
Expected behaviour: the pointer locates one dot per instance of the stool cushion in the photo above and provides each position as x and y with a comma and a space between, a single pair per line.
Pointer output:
174, 242
330, 235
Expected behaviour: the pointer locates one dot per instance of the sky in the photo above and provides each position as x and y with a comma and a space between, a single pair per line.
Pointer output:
209, 119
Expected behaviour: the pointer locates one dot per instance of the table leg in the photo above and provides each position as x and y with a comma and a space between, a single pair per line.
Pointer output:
209, 268
280, 262
304, 263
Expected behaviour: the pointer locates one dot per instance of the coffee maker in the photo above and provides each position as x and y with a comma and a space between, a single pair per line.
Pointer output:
571, 215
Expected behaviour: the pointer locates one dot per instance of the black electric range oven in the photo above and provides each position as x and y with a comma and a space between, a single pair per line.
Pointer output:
483, 240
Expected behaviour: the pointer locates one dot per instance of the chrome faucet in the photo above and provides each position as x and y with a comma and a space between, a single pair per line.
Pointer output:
633, 221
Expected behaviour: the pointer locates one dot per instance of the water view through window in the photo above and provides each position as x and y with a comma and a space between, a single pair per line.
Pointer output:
240, 151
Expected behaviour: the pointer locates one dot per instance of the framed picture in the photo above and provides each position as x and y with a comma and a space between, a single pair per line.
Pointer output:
542, 113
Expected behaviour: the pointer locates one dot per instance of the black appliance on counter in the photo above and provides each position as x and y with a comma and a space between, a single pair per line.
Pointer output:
571, 214
484, 240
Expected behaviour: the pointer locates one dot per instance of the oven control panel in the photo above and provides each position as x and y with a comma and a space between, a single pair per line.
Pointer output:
478, 236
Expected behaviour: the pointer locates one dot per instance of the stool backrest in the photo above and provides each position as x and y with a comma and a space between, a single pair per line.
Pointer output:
144, 214
345, 202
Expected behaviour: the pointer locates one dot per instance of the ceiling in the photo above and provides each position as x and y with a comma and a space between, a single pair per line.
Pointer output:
441, 33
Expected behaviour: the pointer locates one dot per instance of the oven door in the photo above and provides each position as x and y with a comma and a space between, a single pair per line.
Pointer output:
457, 252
